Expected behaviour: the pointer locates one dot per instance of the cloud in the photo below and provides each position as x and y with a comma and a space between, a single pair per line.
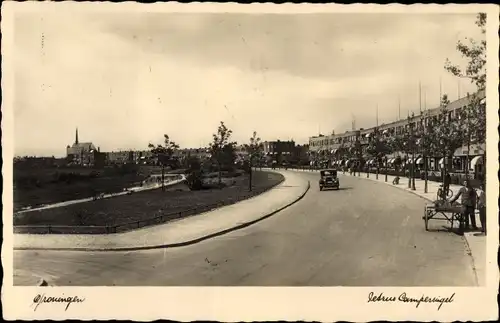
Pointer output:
126, 79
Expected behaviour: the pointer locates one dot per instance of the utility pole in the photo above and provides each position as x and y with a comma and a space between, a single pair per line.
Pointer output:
425, 142
420, 97
399, 108
440, 90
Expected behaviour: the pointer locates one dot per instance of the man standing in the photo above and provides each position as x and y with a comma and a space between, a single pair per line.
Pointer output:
468, 202
481, 205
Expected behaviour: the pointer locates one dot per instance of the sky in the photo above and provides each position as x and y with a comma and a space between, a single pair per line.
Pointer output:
125, 80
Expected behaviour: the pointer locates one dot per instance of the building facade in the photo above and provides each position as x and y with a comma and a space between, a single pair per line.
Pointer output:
200, 153
83, 153
279, 152
339, 148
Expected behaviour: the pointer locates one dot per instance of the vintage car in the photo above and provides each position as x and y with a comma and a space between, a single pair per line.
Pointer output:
328, 179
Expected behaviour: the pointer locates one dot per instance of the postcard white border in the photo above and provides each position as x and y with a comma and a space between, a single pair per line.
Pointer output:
250, 303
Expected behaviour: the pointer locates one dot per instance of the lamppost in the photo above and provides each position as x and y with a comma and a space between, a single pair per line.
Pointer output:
409, 150
367, 165
424, 144
357, 151
412, 149
386, 140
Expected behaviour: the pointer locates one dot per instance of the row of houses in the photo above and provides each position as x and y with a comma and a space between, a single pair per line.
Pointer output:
330, 147
87, 154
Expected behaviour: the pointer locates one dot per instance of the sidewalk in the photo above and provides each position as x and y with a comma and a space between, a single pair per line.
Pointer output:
476, 243
181, 232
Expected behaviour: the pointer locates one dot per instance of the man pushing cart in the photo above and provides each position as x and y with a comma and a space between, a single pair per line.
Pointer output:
450, 211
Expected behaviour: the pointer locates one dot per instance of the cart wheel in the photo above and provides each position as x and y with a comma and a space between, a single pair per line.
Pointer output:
426, 219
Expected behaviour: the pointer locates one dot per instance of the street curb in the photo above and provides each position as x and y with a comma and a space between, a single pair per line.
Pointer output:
394, 186
185, 243
469, 252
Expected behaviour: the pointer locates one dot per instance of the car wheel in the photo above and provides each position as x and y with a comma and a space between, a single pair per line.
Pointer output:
320, 188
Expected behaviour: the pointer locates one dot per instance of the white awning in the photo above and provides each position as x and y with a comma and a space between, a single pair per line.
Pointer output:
367, 135
420, 160
441, 162
333, 151
483, 101
391, 161
385, 131
475, 161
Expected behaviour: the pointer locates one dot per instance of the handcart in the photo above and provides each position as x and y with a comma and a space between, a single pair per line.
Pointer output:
444, 212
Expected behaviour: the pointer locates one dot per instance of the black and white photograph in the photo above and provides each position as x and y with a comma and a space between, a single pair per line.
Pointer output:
212, 145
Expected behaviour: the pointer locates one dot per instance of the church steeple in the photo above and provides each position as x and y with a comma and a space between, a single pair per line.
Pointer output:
76, 136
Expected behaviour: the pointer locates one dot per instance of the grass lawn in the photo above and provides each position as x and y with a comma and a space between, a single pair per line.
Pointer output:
59, 192
147, 204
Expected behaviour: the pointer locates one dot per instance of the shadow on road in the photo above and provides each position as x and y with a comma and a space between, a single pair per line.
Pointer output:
339, 189
446, 229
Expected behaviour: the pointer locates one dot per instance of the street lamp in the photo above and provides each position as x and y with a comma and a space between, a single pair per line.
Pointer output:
425, 148
386, 140
411, 147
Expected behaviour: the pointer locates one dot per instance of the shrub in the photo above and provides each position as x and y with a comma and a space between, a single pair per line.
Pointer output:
195, 180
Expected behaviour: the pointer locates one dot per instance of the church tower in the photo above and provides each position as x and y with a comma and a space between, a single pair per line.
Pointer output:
76, 136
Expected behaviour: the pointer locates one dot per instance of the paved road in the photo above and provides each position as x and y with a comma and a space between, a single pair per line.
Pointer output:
366, 234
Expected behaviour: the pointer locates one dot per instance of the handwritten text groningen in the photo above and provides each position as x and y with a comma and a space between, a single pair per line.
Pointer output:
372, 298
66, 300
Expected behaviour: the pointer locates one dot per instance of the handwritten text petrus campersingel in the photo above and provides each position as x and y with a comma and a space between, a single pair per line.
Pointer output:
372, 298
67, 300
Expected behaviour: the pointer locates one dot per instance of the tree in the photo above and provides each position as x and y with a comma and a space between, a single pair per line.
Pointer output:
408, 143
164, 153
473, 117
358, 152
448, 134
222, 150
254, 150
377, 148
396, 145
475, 54
195, 173
426, 141
342, 153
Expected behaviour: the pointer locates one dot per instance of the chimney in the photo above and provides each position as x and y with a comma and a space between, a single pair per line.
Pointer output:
98, 149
